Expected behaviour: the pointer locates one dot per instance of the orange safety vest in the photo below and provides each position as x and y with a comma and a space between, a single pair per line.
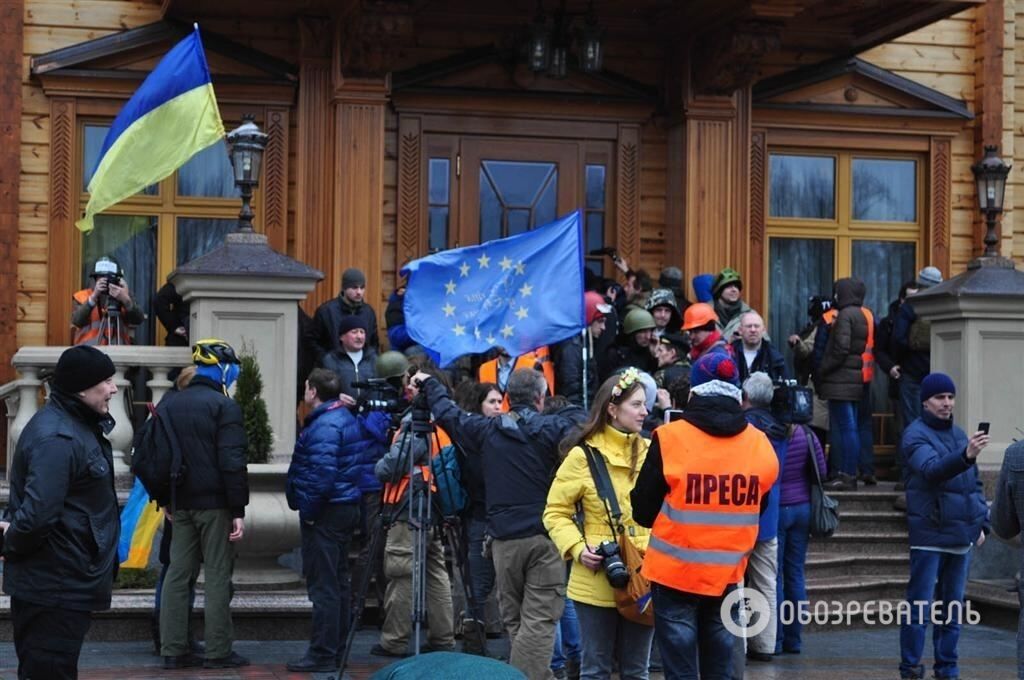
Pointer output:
867, 357
488, 372
707, 527
91, 334
393, 493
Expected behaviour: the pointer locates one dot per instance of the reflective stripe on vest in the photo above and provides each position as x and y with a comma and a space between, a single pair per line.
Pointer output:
91, 334
708, 522
393, 493
867, 358
488, 371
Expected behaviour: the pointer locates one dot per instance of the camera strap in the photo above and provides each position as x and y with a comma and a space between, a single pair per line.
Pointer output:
605, 489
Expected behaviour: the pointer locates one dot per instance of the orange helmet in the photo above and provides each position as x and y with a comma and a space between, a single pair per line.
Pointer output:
697, 315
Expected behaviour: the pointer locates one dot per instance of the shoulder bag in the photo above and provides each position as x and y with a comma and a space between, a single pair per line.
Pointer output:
824, 508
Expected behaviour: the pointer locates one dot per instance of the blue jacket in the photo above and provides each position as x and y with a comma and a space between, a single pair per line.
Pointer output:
328, 461
945, 504
778, 435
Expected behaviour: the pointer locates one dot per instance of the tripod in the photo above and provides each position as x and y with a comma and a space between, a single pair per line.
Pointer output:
110, 323
419, 505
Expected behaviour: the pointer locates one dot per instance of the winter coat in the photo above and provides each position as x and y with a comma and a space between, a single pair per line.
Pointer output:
945, 503
520, 456
796, 476
172, 310
341, 363
574, 483
914, 363
839, 373
886, 353
327, 462
777, 434
768, 360
327, 321
61, 546
1008, 507
567, 357
213, 445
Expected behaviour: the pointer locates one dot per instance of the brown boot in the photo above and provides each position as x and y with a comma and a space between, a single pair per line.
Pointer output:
474, 640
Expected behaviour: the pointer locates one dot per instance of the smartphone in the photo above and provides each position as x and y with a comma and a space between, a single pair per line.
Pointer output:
673, 414
983, 426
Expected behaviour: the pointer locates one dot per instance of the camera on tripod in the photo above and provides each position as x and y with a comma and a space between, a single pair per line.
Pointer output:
792, 403
107, 271
817, 305
611, 560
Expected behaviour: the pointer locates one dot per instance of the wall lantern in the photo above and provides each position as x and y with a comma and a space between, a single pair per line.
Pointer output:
246, 143
547, 48
990, 174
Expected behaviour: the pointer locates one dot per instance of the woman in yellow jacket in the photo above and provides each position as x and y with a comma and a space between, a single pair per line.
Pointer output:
613, 429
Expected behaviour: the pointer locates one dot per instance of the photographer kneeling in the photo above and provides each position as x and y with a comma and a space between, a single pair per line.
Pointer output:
105, 314
611, 433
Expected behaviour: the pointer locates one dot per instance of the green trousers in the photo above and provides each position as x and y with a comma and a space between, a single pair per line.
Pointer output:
199, 536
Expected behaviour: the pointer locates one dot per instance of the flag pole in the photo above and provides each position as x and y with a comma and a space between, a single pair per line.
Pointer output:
586, 358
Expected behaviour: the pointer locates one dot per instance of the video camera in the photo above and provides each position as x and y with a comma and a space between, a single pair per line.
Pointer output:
817, 305
792, 403
378, 394
607, 250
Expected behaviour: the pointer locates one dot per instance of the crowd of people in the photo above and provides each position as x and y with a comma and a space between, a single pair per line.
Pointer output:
598, 526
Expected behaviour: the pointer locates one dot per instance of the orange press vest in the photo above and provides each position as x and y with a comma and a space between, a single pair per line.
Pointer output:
393, 493
867, 357
90, 334
708, 524
488, 372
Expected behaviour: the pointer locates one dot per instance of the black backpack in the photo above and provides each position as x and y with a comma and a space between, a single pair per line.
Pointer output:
157, 460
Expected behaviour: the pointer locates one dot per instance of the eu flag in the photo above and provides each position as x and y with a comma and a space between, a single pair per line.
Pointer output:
519, 293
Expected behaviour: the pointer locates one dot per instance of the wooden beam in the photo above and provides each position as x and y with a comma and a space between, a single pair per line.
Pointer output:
11, 29
63, 270
988, 95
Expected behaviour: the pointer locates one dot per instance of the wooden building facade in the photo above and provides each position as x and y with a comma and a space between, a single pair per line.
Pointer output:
795, 140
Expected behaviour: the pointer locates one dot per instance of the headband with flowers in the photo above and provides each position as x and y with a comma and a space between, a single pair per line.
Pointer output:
627, 379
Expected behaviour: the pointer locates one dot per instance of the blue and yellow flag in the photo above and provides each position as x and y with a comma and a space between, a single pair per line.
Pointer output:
140, 519
519, 293
169, 119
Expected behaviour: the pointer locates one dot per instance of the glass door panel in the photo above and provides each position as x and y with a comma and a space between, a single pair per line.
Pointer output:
797, 269
510, 187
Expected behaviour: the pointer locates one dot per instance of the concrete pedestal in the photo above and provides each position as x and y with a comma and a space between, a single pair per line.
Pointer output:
977, 337
247, 294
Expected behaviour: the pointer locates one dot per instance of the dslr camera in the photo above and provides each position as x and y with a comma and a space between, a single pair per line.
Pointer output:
611, 560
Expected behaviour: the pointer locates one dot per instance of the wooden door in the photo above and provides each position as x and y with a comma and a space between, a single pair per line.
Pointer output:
509, 186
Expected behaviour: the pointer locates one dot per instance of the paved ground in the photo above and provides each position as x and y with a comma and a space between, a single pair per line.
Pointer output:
986, 654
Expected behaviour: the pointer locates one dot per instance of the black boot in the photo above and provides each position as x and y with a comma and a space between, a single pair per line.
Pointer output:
474, 641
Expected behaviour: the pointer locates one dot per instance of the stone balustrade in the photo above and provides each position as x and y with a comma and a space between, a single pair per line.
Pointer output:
25, 396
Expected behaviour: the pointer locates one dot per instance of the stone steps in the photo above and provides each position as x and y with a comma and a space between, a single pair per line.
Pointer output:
825, 564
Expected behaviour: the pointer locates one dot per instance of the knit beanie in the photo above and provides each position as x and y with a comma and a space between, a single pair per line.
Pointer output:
671, 277
81, 367
936, 383
353, 278
928, 277
714, 366
350, 322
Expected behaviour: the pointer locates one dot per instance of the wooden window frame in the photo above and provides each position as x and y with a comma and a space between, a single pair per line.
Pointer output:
68, 115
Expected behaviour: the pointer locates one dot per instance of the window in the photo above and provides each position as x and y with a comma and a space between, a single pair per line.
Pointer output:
438, 203
165, 225
838, 214
594, 215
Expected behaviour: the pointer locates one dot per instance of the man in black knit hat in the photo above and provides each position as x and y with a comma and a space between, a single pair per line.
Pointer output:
351, 301
62, 527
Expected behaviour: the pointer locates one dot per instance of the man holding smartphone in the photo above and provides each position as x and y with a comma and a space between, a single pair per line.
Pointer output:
947, 517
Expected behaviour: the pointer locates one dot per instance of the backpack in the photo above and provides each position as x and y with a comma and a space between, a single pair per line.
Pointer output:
157, 460
451, 496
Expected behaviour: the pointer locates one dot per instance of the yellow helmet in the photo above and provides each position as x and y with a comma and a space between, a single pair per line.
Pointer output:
213, 351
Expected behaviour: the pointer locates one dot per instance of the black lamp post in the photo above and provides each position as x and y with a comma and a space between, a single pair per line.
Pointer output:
538, 49
247, 143
990, 174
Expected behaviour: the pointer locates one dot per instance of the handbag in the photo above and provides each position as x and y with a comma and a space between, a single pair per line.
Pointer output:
824, 508
634, 600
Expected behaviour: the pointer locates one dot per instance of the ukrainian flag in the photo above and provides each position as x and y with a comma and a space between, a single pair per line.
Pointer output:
170, 118
140, 519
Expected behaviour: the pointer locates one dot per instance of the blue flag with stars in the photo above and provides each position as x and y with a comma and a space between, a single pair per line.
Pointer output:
519, 293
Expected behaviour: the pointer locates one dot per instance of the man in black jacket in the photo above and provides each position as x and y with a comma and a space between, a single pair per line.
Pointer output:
210, 506
754, 352
351, 301
568, 355
520, 450
61, 528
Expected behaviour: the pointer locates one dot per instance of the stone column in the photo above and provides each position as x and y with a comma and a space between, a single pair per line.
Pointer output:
247, 294
977, 337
